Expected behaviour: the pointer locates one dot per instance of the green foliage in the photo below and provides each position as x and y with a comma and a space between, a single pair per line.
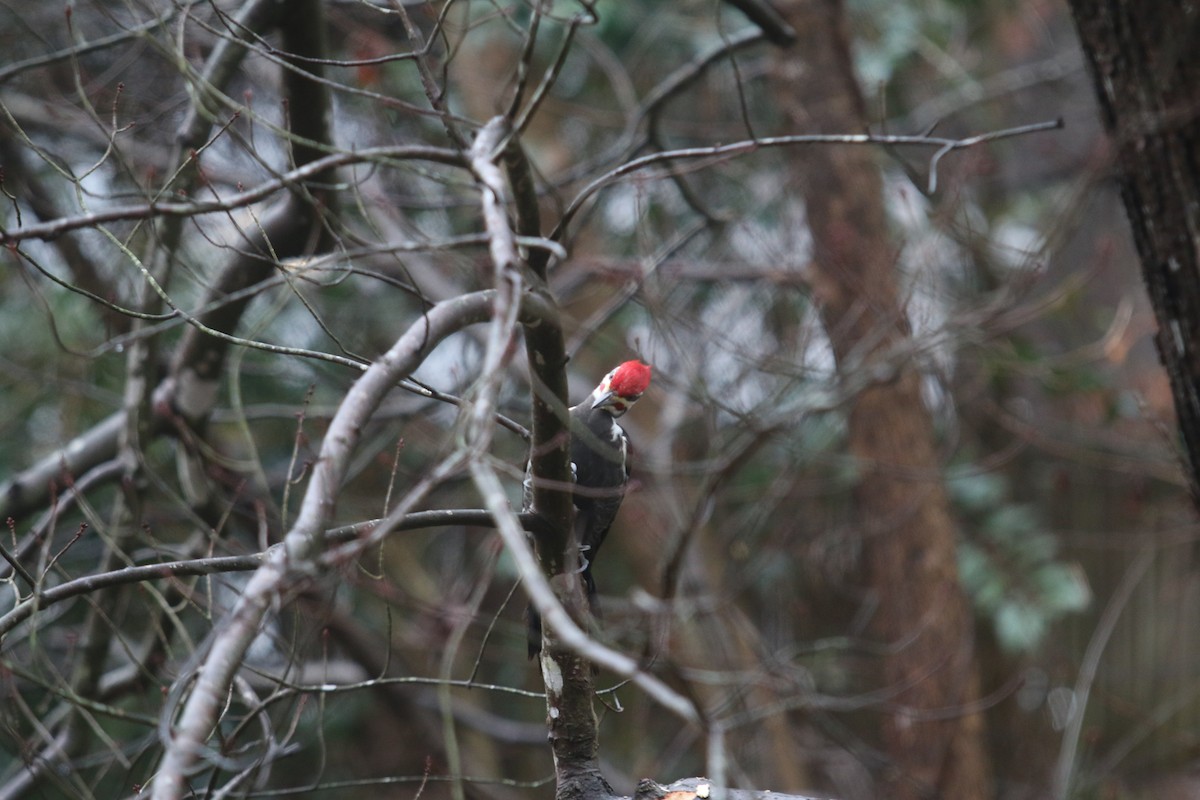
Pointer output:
1009, 563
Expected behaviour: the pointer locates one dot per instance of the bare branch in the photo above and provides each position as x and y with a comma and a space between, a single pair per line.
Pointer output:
291, 178
552, 611
1065, 765
29, 490
303, 543
718, 153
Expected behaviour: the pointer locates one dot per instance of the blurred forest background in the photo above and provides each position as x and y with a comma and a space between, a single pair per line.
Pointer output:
181, 323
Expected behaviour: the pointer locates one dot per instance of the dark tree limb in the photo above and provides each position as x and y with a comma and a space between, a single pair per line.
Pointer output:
1146, 72
546, 354
251, 19
293, 227
768, 19
570, 719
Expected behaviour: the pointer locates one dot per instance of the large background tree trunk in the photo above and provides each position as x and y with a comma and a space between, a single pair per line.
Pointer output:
931, 730
1146, 68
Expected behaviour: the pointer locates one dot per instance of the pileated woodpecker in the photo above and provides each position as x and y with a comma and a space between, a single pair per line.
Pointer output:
600, 469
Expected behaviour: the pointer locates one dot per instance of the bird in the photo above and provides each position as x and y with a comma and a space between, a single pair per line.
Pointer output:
599, 454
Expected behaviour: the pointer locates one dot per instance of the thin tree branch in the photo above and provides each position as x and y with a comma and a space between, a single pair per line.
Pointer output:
29, 489
286, 180
303, 544
104, 42
723, 152
543, 597
1065, 766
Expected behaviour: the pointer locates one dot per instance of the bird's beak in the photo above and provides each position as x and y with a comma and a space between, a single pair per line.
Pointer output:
603, 399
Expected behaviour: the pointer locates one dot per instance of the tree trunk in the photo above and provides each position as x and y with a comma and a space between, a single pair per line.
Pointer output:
931, 728
1147, 73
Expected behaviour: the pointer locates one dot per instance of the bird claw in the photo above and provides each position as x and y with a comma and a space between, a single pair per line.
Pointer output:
584, 563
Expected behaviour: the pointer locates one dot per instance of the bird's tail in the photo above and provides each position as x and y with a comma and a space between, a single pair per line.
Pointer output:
533, 631
533, 620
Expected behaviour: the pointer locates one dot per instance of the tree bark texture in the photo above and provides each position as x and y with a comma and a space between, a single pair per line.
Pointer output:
931, 729
1146, 67
570, 716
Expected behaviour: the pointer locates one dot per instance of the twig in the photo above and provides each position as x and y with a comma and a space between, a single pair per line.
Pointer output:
553, 614
543, 89
725, 151
17, 568
68, 53
54, 228
301, 548
1088, 668
670, 87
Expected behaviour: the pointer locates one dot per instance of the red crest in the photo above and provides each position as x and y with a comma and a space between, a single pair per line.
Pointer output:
630, 379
